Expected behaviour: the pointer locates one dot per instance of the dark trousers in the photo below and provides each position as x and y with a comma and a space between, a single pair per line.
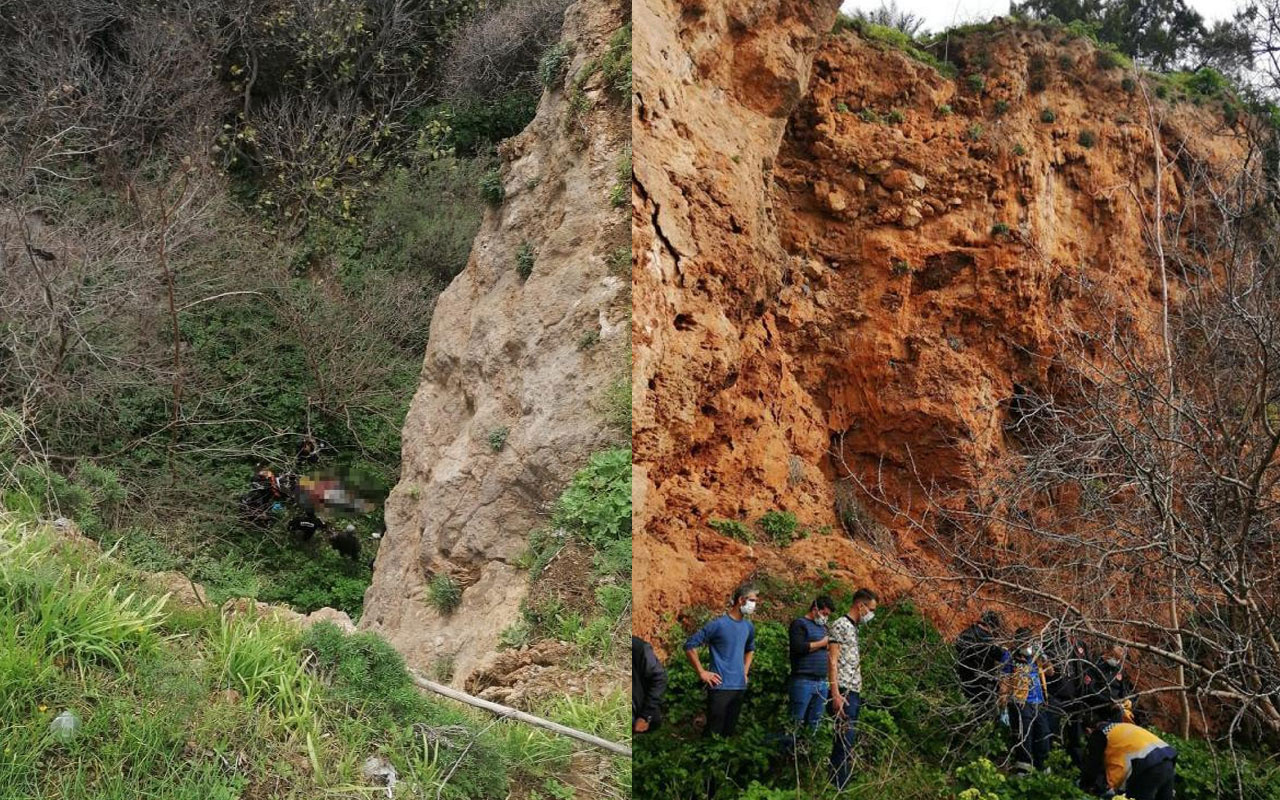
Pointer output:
723, 708
1151, 781
1029, 725
846, 734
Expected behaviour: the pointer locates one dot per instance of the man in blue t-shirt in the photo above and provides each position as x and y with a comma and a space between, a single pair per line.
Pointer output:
731, 640
807, 689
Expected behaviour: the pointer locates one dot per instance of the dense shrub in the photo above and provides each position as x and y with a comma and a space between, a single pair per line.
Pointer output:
443, 593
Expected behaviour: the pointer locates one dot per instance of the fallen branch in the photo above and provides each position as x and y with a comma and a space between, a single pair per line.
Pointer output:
520, 716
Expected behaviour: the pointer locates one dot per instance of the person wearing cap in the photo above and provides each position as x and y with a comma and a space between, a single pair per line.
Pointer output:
731, 640
1123, 758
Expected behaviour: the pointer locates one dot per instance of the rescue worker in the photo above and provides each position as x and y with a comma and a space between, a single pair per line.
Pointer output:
307, 525
1108, 681
1023, 692
1124, 758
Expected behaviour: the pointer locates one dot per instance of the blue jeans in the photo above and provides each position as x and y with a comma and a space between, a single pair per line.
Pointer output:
846, 733
807, 697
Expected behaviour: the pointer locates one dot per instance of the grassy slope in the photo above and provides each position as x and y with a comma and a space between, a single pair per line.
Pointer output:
81, 631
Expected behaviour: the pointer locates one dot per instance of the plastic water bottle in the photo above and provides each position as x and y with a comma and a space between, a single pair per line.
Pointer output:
65, 726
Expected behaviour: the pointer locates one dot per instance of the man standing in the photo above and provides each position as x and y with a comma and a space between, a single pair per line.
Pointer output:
844, 672
978, 659
1109, 683
807, 689
731, 640
1067, 694
648, 684
1023, 691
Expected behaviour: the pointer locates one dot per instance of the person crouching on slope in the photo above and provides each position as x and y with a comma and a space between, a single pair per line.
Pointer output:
731, 639
1123, 757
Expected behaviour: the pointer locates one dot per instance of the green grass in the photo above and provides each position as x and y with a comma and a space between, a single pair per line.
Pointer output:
150, 683
526, 256
443, 593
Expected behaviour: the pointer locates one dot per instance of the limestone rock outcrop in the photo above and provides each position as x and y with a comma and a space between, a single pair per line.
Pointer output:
509, 403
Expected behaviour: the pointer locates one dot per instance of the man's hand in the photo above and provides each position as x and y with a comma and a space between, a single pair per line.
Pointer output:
710, 678
821, 644
838, 703
641, 725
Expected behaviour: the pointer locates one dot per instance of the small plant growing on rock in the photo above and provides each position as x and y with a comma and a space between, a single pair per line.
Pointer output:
842, 107
944, 110
1128, 84
1000, 229
900, 268
733, 528
491, 188
524, 260
868, 115
498, 438
1065, 62
1162, 91
551, 65
620, 260
896, 117
442, 669
443, 593
974, 132
976, 82
516, 635
1019, 150
780, 526
621, 191
1107, 59
1086, 138
1047, 115
1001, 106
589, 339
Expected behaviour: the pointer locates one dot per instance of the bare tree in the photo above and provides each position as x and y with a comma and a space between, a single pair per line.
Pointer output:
891, 15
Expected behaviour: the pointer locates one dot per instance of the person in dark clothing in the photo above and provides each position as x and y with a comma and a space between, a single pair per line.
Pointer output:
347, 543
1068, 698
807, 687
978, 659
1023, 691
648, 684
731, 640
1123, 757
307, 525
1107, 683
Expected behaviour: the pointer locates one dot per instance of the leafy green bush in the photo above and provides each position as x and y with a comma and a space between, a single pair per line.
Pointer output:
1019, 150
424, 219
621, 191
596, 506
869, 115
944, 110
780, 526
842, 107
900, 268
552, 65
976, 82
1001, 106
1000, 229
525, 258
733, 528
491, 188
1086, 138
1128, 84
443, 593
1047, 115
615, 64
974, 132
895, 117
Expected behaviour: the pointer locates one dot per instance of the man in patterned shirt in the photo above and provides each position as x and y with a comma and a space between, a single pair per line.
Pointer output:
844, 672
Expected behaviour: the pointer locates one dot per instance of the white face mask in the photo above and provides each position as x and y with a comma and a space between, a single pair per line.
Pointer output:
821, 619
1113, 662
1026, 651
867, 617
749, 607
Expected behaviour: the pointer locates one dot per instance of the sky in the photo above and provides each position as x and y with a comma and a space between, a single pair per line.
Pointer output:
940, 14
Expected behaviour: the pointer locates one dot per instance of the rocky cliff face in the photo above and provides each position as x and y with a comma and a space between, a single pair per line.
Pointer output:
850, 261
509, 402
